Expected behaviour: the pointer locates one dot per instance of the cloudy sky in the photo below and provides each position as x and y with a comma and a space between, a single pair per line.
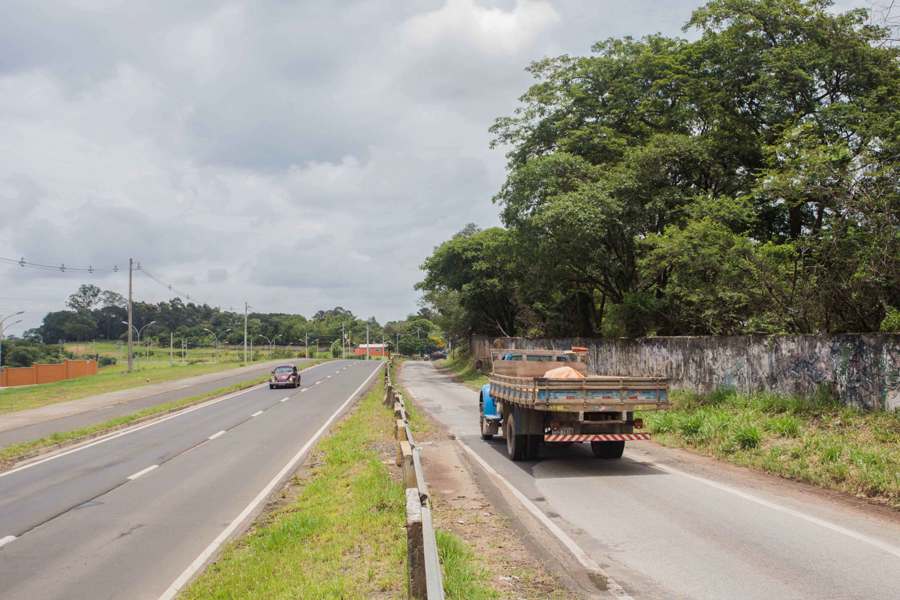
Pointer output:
295, 154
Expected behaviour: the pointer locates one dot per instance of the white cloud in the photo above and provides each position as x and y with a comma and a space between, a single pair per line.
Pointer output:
298, 155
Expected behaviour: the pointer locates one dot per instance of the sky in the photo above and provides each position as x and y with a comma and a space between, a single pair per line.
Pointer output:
296, 155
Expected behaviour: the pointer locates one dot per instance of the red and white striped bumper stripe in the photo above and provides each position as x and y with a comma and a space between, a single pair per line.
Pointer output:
596, 437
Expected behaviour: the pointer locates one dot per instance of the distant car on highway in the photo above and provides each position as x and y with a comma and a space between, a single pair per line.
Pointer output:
284, 376
438, 355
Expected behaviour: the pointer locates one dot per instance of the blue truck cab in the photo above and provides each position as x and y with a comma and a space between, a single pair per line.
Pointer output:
488, 415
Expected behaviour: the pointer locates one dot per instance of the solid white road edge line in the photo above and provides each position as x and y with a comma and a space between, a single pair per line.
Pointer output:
142, 472
580, 555
140, 426
200, 561
216, 435
5, 540
257, 413
890, 549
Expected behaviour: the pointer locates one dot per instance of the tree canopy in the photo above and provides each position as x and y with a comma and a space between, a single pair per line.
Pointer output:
744, 182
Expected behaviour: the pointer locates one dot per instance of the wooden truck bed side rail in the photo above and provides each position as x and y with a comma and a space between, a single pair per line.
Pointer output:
601, 393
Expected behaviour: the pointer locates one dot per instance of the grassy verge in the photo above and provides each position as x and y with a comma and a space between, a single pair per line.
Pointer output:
341, 537
16, 452
463, 367
813, 440
464, 577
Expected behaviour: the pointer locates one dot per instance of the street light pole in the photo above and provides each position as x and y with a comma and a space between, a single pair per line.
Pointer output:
306, 344
246, 308
367, 341
130, 315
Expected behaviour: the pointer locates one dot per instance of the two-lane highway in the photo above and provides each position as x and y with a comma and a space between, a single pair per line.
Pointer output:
668, 524
129, 515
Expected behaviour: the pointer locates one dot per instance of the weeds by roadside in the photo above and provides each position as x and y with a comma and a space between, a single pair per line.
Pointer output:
813, 439
463, 368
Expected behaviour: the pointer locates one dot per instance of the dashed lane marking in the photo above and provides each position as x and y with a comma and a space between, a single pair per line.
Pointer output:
217, 434
5, 540
257, 413
142, 472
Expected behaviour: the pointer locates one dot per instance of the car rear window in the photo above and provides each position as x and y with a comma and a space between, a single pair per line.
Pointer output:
284, 369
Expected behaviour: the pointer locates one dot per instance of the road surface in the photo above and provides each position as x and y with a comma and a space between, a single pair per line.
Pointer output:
125, 518
32, 424
666, 524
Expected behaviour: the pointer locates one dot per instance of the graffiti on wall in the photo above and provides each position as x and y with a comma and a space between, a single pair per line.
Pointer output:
859, 369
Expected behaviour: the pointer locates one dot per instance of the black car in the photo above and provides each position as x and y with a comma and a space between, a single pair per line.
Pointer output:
284, 376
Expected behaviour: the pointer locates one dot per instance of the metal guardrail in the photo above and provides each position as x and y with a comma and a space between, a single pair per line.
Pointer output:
424, 565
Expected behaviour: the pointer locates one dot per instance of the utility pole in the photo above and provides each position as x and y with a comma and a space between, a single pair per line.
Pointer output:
398, 342
343, 339
130, 315
367, 341
171, 348
246, 308
306, 344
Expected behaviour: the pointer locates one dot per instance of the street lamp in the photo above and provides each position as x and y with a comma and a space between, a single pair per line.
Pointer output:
216, 340
139, 331
2, 321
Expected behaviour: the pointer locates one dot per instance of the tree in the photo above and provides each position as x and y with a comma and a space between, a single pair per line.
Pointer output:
85, 299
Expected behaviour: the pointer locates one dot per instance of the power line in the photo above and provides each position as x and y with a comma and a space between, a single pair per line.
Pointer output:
60, 268
140, 268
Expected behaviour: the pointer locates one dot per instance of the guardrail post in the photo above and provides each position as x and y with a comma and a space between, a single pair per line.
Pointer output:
405, 462
400, 432
415, 546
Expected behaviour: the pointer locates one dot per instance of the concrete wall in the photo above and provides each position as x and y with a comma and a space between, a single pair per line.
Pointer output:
46, 373
861, 369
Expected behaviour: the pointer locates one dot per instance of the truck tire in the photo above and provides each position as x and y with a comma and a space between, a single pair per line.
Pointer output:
516, 444
608, 449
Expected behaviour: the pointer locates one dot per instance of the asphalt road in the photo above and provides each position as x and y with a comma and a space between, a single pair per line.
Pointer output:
666, 524
192, 387
125, 517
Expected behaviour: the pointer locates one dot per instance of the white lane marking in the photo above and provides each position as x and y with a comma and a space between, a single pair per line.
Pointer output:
285, 399
201, 560
861, 537
5, 540
328, 377
139, 427
318, 382
580, 555
217, 434
257, 413
338, 371
142, 472
304, 390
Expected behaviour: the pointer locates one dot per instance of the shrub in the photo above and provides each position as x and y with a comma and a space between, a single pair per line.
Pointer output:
786, 426
746, 436
690, 425
721, 395
106, 361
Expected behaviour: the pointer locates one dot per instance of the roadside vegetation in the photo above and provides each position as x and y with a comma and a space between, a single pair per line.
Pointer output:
815, 440
17, 452
463, 368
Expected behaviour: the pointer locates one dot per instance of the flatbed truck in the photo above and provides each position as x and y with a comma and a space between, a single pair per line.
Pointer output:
531, 409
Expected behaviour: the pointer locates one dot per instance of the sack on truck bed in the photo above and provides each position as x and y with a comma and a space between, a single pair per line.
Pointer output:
563, 373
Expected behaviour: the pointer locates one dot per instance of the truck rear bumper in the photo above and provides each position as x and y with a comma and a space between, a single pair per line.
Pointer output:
596, 437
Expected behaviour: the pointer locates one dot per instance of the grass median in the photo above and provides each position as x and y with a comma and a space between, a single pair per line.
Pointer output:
815, 439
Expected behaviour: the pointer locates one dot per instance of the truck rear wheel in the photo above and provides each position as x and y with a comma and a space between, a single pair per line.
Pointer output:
516, 444
608, 449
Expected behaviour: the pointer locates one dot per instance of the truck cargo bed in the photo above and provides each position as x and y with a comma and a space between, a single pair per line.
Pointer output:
596, 393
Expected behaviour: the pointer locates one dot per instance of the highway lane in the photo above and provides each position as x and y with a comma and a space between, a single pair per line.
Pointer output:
668, 524
192, 386
124, 518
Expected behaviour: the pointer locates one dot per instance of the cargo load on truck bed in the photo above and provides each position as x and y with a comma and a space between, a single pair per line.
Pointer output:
540, 396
